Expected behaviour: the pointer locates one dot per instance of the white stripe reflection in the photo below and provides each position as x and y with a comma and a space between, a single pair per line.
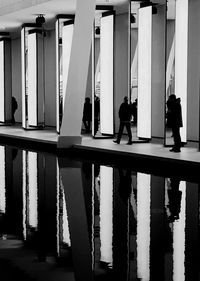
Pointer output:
24, 193
143, 226
106, 212
32, 173
179, 239
66, 234
57, 76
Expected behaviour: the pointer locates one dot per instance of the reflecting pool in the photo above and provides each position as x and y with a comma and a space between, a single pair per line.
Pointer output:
68, 219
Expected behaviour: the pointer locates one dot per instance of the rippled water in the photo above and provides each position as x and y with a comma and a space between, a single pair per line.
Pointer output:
64, 219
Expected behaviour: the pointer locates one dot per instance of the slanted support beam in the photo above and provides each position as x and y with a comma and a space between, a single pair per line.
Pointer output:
77, 75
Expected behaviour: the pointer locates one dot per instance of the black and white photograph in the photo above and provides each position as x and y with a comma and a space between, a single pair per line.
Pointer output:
99, 140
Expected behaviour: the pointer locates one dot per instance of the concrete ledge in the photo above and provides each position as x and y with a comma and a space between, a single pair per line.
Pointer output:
68, 141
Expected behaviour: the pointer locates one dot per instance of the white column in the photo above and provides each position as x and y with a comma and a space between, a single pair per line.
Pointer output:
32, 80
2, 93
106, 72
181, 59
23, 55
144, 71
5, 80
67, 35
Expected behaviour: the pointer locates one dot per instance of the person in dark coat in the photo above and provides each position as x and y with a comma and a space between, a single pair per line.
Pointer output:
87, 114
96, 114
174, 120
14, 108
125, 120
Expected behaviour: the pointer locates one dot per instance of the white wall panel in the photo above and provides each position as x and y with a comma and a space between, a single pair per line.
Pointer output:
106, 68
57, 77
23, 78
2, 92
32, 80
144, 72
67, 35
40, 82
181, 59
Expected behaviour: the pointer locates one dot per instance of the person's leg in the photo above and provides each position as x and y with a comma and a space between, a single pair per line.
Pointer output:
85, 124
177, 138
121, 128
89, 124
128, 128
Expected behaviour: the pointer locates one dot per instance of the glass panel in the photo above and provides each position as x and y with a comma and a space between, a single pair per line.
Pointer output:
170, 67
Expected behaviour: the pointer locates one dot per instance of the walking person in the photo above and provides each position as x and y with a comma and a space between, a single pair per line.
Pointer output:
174, 121
87, 114
125, 120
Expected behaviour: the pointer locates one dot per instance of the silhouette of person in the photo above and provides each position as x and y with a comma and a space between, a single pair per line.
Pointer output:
14, 108
96, 114
134, 111
125, 120
87, 114
174, 120
174, 195
60, 110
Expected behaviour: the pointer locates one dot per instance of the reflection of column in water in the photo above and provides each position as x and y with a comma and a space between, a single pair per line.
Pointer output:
32, 174
143, 226
158, 229
24, 193
192, 232
66, 235
2, 181
57, 209
106, 209
63, 235
179, 239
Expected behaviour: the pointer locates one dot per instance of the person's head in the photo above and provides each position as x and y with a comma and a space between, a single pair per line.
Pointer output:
126, 99
87, 100
172, 97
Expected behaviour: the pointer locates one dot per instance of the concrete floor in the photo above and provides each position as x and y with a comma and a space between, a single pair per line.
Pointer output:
150, 149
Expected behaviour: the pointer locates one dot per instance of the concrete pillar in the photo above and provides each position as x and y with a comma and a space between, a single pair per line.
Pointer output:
121, 63
5, 80
78, 73
158, 72
193, 70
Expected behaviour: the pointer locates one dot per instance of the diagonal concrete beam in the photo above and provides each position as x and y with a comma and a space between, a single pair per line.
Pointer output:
77, 75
